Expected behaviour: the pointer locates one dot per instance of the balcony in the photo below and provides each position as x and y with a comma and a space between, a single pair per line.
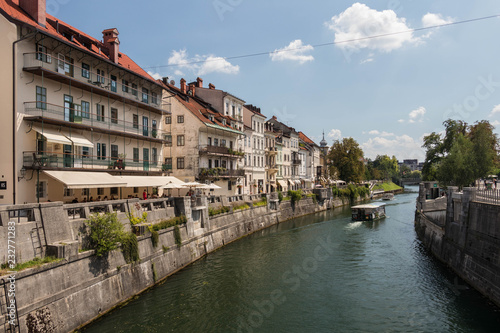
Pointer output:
82, 78
272, 168
221, 151
271, 151
296, 161
58, 115
57, 161
206, 173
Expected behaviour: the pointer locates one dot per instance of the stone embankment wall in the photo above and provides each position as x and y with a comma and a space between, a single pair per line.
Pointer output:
465, 235
68, 294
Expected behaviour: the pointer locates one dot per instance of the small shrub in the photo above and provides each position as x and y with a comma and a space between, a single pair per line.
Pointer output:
137, 220
177, 236
280, 196
242, 206
295, 195
213, 211
105, 232
155, 237
165, 248
261, 202
313, 197
169, 223
130, 247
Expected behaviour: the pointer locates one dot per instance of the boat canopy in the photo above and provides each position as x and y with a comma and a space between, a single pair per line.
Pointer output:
371, 205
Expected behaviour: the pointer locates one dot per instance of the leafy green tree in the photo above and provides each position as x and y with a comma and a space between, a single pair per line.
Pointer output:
459, 166
347, 158
105, 232
388, 167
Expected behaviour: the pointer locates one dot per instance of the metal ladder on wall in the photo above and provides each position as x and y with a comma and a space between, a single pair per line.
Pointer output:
4, 312
36, 241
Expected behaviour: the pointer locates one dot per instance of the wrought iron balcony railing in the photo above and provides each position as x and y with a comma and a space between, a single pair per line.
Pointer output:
218, 150
51, 160
76, 115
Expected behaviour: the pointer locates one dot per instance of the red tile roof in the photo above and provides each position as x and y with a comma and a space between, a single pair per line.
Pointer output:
304, 138
11, 10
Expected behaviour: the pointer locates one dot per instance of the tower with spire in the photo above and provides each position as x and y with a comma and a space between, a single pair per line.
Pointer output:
323, 145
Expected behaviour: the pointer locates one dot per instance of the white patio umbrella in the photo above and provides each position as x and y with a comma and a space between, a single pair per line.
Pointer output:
213, 187
171, 185
193, 184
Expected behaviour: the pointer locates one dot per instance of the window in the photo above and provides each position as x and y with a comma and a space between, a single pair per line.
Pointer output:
135, 121
100, 191
42, 54
113, 191
168, 119
234, 112
145, 126
168, 161
134, 89
85, 152
223, 164
154, 156
180, 162
209, 141
222, 142
41, 189
101, 151
168, 139
100, 76
154, 98
154, 131
145, 95
113, 83
216, 142
210, 163
180, 119
114, 116
125, 86
114, 152
85, 192
216, 163
41, 98
227, 108
67, 192
180, 140
136, 154
136, 190
100, 112
85, 109
229, 185
65, 65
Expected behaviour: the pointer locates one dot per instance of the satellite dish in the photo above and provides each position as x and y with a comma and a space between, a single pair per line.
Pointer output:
172, 82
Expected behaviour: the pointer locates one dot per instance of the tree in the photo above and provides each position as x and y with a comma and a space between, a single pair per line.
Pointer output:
464, 154
388, 167
347, 160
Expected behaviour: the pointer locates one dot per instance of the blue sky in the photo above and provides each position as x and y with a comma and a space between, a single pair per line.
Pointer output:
387, 93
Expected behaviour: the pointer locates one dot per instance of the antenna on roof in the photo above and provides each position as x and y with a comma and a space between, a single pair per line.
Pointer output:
172, 82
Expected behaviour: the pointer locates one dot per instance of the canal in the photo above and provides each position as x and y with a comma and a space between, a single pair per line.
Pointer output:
320, 273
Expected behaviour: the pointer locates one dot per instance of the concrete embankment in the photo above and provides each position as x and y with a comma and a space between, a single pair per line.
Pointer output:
464, 233
65, 295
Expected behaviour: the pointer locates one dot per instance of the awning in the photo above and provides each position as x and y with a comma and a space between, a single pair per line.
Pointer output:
291, 182
297, 182
82, 179
80, 140
52, 135
282, 183
148, 181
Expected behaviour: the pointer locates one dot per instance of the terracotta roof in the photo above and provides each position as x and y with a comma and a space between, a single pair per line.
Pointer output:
14, 13
304, 138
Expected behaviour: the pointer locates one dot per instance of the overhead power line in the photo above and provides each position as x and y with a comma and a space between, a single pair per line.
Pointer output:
326, 44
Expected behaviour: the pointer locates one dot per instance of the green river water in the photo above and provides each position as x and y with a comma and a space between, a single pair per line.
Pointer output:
319, 273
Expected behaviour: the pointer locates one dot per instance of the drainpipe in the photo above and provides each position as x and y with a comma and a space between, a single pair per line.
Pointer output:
14, 114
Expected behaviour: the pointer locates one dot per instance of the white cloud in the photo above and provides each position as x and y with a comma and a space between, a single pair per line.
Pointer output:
403, 147
401, 120
201, 64
366, 61
496, 109
295, 51
417, 115
156, 76
360, 21
430, 20
383, 133
335, 134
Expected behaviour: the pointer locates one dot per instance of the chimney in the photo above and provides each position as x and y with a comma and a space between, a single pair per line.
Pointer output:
192, 88
36, 9
211, 86
199, 83
183, 86
112, 43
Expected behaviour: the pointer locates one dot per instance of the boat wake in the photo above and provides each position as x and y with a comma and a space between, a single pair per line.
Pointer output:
353, 225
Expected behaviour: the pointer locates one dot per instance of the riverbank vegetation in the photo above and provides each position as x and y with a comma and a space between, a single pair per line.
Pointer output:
463, 154
387, 186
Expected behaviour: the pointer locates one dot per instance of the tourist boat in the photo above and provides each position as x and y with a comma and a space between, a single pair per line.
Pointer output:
388, 196
368, 212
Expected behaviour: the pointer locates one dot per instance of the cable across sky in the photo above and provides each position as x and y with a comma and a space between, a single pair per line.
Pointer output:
325, 44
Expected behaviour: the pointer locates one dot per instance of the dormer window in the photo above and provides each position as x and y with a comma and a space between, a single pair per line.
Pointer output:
223, 121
